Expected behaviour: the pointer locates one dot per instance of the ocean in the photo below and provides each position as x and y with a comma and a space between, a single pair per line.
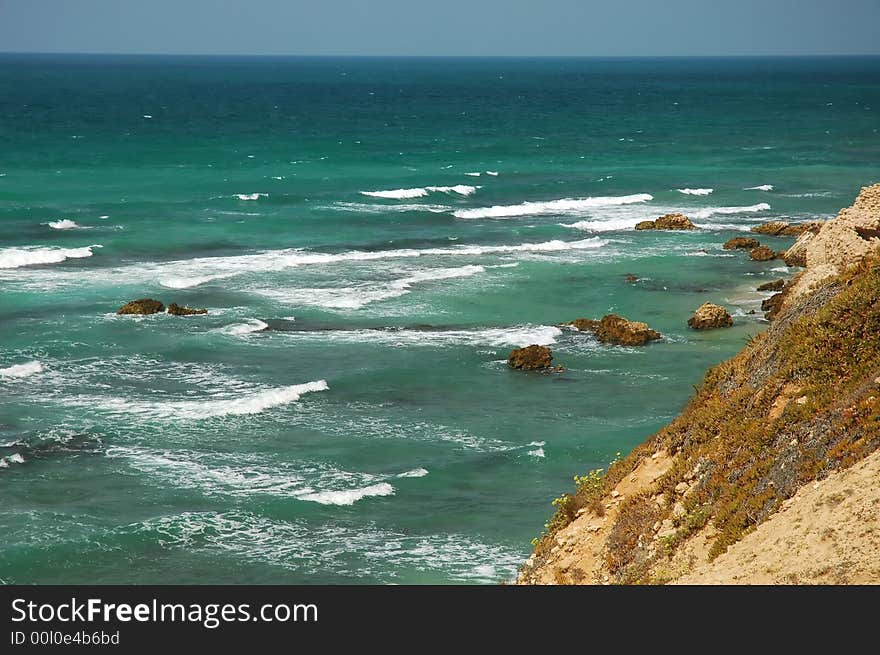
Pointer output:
399, 225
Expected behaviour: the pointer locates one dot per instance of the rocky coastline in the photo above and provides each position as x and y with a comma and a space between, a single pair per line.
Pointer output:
772, 439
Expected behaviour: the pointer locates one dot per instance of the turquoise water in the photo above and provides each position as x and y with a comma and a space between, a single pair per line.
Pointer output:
374, 433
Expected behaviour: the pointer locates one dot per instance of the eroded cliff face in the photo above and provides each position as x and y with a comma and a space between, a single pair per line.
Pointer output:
798, 404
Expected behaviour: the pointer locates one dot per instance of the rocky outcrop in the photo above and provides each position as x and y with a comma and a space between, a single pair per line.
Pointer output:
177, 310
741, 242
530, 358
775, 285
768, 474
842, 242
617, 330
762, 254
783, 229
667, 222
773, 305
709, 316
797, 254
141, 306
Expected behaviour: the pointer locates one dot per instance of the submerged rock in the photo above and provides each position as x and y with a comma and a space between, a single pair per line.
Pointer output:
177, 310
141, 306
617, 329
530, 358
667, 222
709, 316
631, 278
741, 242
762, 254
775, 285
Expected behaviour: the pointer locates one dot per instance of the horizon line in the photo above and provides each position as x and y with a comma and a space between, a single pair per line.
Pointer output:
437, 56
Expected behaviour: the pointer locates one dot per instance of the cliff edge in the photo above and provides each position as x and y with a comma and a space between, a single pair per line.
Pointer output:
770, 472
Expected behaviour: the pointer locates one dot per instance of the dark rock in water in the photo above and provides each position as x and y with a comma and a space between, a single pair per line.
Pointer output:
583, 324
177, 310
751, 311
741, 242
775, 285
709, 316
618, 330
141, 306
762, 254
667, 222
772, 305
631, 278
530, 358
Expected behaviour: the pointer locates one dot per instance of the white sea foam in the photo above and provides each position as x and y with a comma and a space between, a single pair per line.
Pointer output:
523, 335
415, 473
563, 206
21, 370
251, 403
38, 255
349, 496
188, 282
695, 192
64, 224
473, 174
384, 209
760, 187
492, 173
365, 551
277, 260
538, 452
251, 196
249, 475
14, 458
241, 329
421, 192
708, 212
359, 296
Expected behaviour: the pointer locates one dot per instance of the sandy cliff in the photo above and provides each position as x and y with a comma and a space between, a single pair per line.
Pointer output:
770, 474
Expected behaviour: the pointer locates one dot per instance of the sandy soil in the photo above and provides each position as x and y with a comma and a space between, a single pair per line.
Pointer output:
827, 533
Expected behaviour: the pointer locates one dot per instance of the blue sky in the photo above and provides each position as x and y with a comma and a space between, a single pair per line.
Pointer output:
443, 27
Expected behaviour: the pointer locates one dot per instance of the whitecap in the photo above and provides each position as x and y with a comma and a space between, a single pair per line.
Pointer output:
695, 192
523, 335
538, 452
473, 174
38, 255
251, 196
707, 212
384, 209
349, 496
359, 296
562, 206
415, 473
241, 329
492, 173
188, 282
21, 370
421, 192
251, 403
760, 187
64, 224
